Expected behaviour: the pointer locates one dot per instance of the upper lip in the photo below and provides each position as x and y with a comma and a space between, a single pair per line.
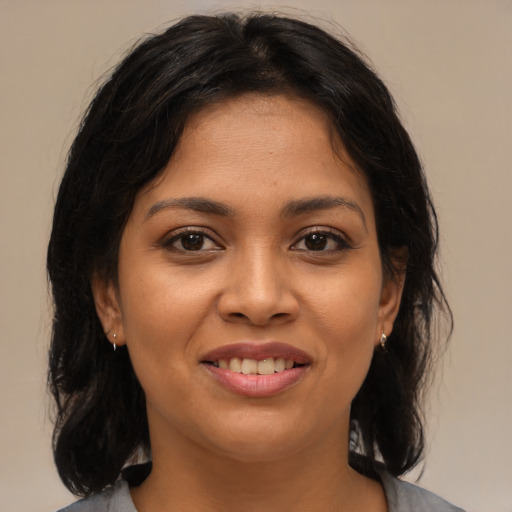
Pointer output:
257, 350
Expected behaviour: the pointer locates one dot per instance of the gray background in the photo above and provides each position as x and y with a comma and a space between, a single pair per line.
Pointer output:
447, 62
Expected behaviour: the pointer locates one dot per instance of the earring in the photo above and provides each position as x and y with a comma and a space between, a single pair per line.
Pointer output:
114, 344
383, 339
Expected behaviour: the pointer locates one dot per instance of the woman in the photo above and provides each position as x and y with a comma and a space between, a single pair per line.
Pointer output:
242, 268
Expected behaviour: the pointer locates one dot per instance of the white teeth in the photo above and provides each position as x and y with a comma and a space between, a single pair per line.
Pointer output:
235, 365
280, 364
253, 367
266, 367
249, 366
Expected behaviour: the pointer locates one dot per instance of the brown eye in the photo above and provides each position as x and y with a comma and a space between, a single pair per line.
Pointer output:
316, 242
321, 241
192, 241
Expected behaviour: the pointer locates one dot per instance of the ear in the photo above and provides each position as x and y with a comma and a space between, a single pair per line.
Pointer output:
391, 293
108, 309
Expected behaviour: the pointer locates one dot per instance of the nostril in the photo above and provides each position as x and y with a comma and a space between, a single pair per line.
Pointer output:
257, 308
276, 317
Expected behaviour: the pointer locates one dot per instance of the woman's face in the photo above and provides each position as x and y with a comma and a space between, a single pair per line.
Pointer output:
254, 250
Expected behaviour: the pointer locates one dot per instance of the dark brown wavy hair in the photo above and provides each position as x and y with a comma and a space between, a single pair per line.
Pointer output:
127, 137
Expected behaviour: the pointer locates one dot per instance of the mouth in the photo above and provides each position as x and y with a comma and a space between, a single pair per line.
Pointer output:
249, 366
257, 369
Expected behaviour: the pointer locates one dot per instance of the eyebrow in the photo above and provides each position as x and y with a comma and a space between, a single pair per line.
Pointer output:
198, 204
292, 209
308, 205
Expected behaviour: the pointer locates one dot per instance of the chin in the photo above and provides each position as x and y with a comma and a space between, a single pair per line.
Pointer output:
254, 440
259, 450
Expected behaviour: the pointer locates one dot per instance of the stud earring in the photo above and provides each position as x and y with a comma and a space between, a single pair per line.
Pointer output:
383, 339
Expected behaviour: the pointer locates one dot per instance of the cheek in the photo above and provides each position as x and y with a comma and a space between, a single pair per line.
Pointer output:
163, 308
347, 305
346, 315
160, 317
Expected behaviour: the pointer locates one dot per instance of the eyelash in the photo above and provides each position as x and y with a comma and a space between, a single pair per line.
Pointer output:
176, 236
341, 242
168, 243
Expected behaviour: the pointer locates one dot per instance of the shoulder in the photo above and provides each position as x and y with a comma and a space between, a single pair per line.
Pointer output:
115, 499
405, 497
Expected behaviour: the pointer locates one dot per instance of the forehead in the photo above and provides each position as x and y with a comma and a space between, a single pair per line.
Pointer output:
260, 124
259, 149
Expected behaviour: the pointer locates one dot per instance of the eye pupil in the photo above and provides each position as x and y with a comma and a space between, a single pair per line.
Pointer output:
192, 242
316, 242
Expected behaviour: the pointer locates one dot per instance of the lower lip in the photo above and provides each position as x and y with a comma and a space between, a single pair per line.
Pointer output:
257, 385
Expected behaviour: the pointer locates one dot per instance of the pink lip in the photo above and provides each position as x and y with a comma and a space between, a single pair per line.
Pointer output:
257, 385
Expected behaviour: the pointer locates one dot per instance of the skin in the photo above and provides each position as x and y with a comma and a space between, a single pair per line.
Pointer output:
254, 277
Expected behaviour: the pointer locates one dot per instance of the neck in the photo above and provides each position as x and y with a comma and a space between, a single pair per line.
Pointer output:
315, 478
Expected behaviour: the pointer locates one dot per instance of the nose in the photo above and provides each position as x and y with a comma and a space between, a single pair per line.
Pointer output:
258, 291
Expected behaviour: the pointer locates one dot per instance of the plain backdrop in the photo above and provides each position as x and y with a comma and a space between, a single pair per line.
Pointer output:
448, 64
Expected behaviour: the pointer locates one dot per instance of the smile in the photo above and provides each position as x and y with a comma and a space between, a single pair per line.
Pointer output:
257, 369
248, 366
